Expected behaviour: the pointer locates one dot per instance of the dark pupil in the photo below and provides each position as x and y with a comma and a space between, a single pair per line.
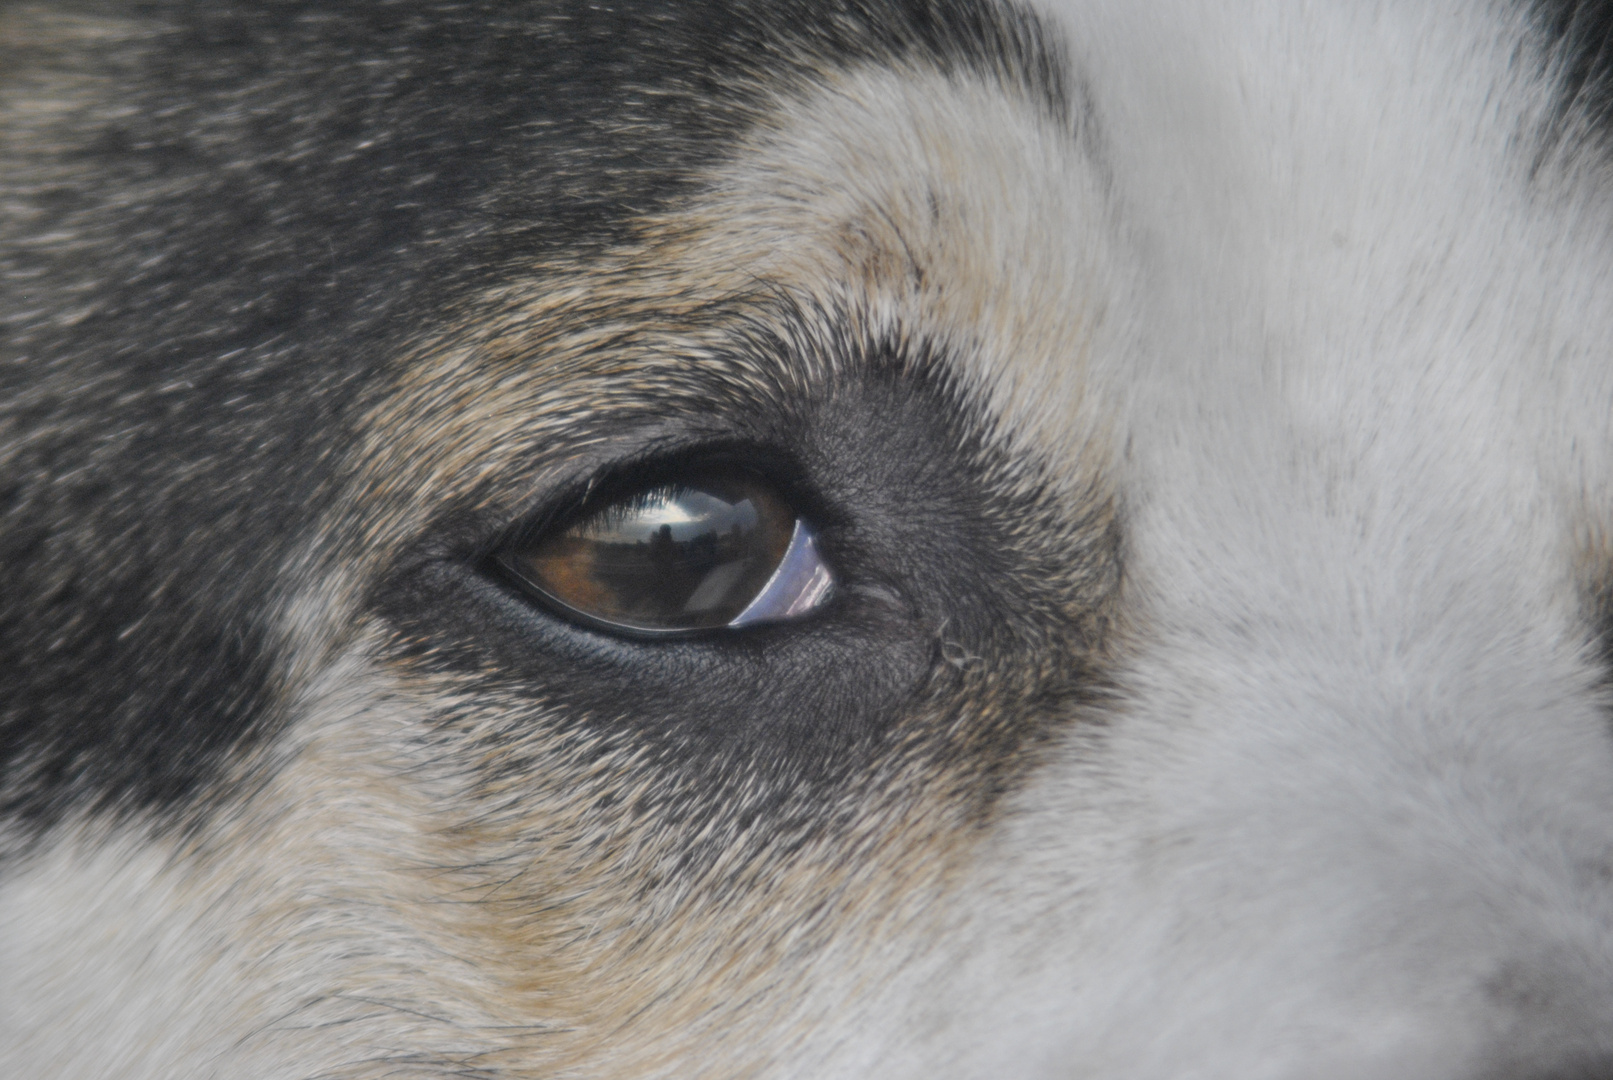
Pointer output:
673, 557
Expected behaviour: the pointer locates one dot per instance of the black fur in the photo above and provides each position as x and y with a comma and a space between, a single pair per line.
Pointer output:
1579, 36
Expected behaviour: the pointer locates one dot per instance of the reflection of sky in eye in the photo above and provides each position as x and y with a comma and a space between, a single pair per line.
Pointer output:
689, 513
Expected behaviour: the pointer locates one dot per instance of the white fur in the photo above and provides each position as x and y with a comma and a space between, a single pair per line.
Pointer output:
1355, 816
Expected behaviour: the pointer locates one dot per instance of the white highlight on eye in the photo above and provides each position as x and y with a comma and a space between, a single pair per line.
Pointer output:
715, 588
687, 511
800, 584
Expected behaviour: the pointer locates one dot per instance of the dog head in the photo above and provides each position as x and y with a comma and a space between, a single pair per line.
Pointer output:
872, 539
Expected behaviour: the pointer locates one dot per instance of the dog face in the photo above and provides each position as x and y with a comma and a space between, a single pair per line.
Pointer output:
867, 539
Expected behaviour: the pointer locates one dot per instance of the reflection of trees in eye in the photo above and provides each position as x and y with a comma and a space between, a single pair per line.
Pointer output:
663, 549
668, 554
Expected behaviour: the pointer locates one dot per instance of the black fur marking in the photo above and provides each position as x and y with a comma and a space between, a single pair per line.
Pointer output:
1579, 36
238, 216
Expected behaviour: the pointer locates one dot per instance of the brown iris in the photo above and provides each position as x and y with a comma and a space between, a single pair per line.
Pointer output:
668, 558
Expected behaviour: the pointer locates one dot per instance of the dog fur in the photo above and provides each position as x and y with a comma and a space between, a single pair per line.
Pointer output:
1204, 409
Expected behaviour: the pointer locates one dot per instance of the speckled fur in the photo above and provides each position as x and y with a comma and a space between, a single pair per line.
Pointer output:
1204, 410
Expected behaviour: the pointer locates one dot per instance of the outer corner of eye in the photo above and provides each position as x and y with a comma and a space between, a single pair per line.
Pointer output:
715, 552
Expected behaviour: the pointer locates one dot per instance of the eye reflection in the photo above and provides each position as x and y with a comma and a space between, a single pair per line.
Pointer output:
722, 551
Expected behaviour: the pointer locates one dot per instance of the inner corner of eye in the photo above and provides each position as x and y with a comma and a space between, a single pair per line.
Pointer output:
704, 554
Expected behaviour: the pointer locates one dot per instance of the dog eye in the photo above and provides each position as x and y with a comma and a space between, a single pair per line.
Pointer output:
723, 551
